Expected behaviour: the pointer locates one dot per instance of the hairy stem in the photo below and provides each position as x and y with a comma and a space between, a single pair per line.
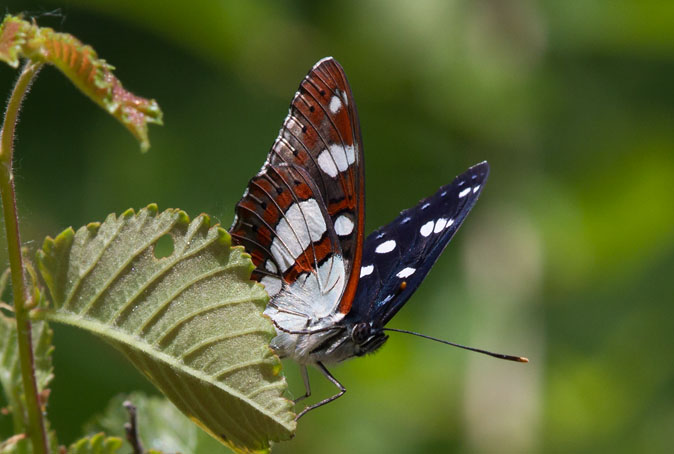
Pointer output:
36, 429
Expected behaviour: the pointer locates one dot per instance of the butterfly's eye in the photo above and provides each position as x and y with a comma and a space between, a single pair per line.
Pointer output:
360, 333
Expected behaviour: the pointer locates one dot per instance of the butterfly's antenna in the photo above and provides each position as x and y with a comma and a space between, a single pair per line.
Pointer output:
519, 359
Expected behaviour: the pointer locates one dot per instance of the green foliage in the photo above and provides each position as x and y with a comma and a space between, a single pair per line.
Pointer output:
161, 426
96, 444
10, 373
79, 63
190, 321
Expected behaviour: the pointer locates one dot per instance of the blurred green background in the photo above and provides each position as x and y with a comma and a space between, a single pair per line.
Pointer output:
568, 258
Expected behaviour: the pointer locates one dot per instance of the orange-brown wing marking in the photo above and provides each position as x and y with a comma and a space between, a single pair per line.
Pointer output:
320, 136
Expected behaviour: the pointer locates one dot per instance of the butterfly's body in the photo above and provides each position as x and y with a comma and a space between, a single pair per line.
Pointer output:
302, 219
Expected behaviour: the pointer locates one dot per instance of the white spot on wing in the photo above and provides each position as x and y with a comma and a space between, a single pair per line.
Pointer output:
464, 193
343, 225
427, 228
271, 284
476, 188
270, 266
350, 154
335, 104
302, 224
326, 163
449, 223
336, 159
322, 290
346, 98
366, 270
406, 272
439, 225
385, 247
425, 205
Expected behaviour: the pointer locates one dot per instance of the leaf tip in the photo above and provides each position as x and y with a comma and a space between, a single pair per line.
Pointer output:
152, 209
205, 220
50, 243
224, 238
93, 227
128, 214
183, 218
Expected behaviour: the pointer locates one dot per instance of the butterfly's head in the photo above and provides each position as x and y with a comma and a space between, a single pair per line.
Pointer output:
366, 338
349, 340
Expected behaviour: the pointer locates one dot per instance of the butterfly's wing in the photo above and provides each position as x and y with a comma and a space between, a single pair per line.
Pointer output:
301, 217
397, 257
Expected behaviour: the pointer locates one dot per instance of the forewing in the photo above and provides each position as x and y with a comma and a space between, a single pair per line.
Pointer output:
320, 137
397, 257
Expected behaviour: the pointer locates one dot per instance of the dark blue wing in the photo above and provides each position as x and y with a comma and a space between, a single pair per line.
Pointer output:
397, 257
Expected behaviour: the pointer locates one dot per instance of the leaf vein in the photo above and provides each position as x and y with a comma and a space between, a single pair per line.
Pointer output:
216, 339
201, 311
121, 267
169, 266
222, 374
82, 274
260, 389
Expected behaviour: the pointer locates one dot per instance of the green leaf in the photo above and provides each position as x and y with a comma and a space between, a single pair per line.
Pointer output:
160, 425
10, 370
42, 336
96, 444
79, 62
191, 321
10, 374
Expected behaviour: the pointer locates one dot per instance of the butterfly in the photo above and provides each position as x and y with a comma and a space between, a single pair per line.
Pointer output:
332, 291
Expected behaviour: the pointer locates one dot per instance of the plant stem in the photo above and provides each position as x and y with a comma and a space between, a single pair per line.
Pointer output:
36, 429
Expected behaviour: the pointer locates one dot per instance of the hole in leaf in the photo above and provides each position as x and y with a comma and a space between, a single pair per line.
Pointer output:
163, 247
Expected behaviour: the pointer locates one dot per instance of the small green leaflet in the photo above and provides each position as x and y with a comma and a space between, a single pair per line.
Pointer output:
96, 444
79, 62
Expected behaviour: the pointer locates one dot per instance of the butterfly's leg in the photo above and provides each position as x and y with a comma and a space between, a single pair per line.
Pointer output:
307, 387
334, 381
